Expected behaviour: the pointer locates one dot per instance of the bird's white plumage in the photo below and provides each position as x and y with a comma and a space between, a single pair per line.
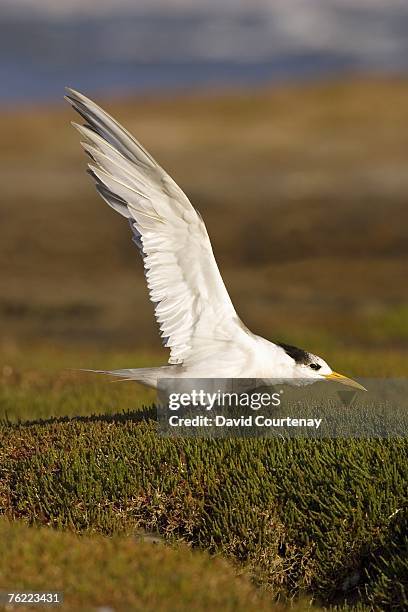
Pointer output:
192, 305
196, 317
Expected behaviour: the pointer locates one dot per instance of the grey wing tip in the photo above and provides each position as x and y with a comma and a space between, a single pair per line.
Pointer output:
73, 94
76, 99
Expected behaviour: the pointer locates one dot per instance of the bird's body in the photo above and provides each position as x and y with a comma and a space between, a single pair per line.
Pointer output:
246, 358
197, 319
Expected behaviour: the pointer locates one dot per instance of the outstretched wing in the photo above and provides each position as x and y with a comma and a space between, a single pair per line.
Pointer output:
192, 305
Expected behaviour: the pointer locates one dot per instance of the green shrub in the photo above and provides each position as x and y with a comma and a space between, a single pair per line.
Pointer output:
319, 517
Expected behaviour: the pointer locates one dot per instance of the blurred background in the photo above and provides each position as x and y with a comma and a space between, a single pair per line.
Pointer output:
286, 123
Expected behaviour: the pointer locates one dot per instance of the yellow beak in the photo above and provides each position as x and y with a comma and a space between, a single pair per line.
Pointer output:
344, 380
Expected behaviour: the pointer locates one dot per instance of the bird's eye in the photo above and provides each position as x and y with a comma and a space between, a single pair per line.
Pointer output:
315, 366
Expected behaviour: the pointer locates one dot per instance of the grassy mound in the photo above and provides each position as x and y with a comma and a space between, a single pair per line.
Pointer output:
121, 573
323, 517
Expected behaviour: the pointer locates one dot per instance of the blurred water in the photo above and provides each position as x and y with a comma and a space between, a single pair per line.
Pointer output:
129, 50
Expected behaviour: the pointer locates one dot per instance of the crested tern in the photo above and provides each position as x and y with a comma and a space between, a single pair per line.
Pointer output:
197, 319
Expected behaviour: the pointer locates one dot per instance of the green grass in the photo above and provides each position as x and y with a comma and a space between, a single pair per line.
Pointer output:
43, 381
46, 382
326, 519
122, 573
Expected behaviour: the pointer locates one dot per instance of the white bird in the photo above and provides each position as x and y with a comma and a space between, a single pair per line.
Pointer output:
197, 319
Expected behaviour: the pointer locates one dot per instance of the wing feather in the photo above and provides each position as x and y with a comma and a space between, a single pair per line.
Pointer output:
192, 305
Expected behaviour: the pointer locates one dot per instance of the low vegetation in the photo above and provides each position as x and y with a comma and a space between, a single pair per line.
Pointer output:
326, 519
123, 573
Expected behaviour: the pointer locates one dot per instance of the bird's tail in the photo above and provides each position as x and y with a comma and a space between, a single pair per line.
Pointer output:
146, 376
